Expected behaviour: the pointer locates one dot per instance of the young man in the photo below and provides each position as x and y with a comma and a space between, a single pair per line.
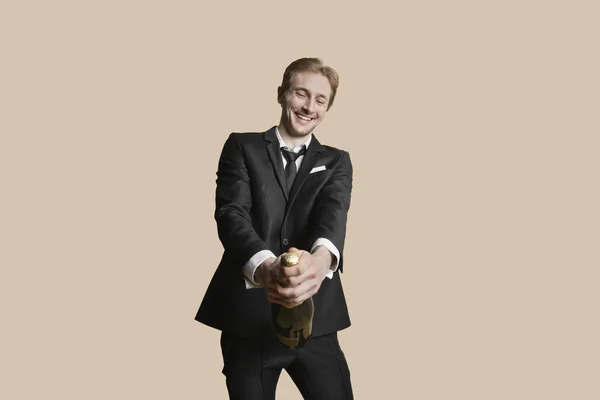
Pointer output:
277, 191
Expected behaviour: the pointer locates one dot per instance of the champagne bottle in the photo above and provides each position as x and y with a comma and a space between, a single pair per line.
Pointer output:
293, 325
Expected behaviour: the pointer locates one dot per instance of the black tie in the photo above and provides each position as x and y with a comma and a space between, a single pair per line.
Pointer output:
290, 167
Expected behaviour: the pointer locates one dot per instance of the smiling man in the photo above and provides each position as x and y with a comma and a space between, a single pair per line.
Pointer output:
279, 191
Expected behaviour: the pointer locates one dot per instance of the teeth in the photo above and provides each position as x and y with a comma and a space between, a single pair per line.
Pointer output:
303, 117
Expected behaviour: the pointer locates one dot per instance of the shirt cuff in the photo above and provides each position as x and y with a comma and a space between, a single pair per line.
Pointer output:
250, 267
335, 254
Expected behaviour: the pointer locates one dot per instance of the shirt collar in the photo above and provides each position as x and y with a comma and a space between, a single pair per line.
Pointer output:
295, 149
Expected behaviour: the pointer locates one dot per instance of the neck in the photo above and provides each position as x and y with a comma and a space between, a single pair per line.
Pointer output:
291, 141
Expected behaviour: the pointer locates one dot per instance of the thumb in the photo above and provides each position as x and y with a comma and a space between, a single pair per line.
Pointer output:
294, 250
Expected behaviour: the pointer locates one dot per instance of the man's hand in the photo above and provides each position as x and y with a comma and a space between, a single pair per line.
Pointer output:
265, 273
291, 286
268, 274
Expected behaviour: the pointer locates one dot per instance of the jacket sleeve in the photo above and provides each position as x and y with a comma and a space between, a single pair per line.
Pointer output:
233, 204
332, 205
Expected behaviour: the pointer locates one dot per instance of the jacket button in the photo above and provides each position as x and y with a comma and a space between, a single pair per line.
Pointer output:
285, 242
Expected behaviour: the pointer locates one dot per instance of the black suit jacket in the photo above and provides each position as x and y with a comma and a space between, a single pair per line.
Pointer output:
253, 213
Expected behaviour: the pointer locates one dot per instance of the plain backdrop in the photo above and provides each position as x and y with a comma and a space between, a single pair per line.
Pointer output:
472, 250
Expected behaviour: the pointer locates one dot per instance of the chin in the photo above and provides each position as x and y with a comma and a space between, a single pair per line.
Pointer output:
303, 131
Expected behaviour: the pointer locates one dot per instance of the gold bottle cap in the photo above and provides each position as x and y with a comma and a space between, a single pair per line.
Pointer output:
290, 259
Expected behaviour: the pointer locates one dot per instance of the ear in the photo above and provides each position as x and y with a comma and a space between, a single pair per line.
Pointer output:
280, 95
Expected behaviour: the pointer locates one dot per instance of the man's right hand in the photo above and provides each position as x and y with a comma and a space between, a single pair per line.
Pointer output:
265, 272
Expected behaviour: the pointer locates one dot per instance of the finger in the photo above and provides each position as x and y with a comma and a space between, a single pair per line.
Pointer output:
283, 291
296, 270
294, 250
293, 295
301, 299
284, 302
277, 263
304, 297
271, 291
291, 281
306, 275
288, 285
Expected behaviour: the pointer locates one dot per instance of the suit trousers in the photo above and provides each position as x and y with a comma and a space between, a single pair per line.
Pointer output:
252, 367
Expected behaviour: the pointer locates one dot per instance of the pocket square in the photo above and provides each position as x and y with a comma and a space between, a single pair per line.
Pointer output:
317, 169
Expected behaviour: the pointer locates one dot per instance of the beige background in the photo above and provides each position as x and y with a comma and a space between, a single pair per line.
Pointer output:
472, 247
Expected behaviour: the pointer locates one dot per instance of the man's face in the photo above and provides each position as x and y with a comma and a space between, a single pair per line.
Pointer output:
304, 105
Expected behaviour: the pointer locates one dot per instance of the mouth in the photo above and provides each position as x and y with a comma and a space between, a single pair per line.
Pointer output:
303, 117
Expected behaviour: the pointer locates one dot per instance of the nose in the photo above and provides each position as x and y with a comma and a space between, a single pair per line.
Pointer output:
309, 105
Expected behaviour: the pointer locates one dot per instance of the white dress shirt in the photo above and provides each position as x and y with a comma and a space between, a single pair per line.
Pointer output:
257, 259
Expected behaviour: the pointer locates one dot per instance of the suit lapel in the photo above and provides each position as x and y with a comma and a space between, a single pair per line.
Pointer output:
312, 156
275, 157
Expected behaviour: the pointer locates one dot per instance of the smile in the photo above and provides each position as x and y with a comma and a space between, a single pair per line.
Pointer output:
303, 117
